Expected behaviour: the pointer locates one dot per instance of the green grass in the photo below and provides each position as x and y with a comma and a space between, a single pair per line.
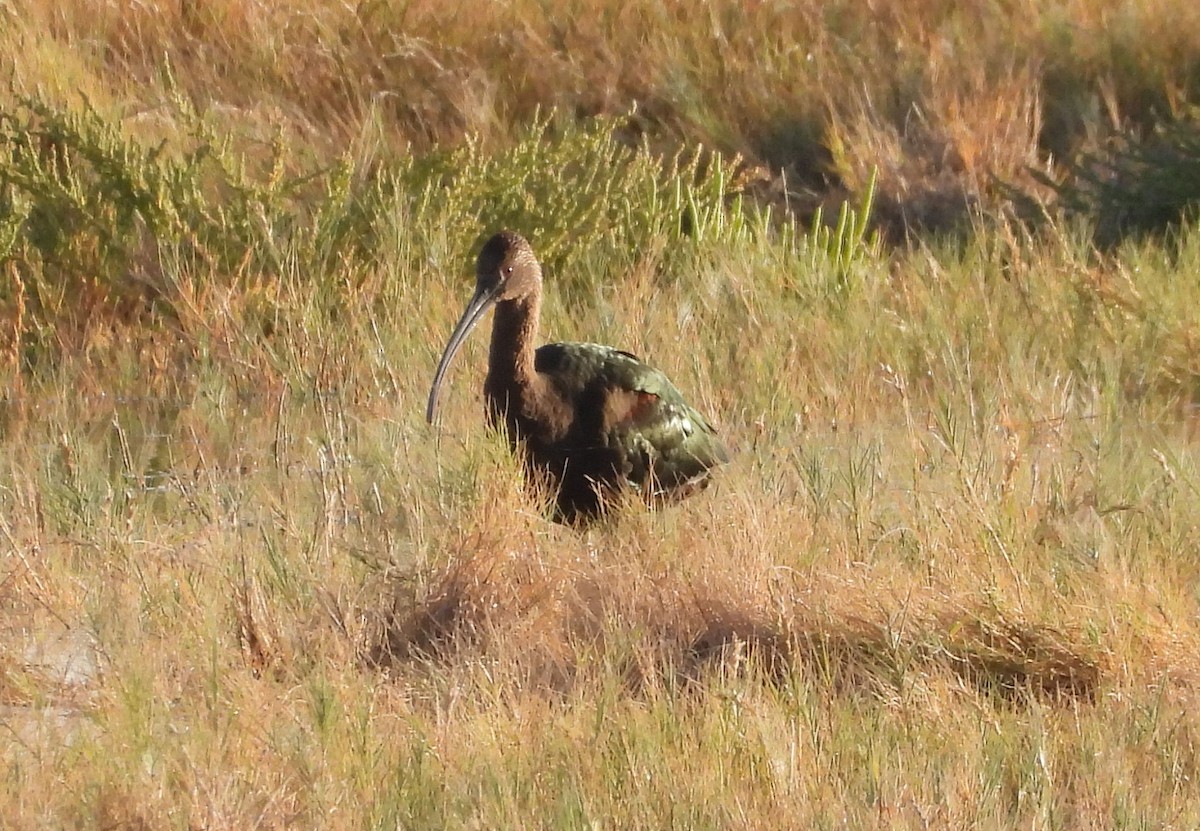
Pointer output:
949, 580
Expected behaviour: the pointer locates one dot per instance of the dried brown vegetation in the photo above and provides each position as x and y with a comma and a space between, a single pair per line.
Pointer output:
949, 581
945, 99
565, 615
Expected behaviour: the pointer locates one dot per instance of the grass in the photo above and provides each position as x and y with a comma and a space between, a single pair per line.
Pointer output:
944, 100
949, 580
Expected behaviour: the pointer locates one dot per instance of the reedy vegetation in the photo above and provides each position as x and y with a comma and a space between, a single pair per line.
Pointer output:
950, 579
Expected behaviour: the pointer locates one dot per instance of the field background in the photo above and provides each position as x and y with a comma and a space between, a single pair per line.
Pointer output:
932, 267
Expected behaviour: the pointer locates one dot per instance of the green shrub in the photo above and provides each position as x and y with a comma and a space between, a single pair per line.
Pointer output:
1136, 185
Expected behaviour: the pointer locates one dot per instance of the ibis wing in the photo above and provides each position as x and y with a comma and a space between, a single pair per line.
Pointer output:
669, 444
636, 411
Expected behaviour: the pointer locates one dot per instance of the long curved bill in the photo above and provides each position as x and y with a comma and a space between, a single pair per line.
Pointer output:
481, 301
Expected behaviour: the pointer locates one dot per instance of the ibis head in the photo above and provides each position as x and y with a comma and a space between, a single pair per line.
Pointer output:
505, 271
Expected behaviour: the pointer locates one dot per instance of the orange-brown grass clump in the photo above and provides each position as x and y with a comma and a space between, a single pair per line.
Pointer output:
572, 613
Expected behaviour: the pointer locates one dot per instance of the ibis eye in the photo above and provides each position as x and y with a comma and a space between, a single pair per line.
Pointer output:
508, 269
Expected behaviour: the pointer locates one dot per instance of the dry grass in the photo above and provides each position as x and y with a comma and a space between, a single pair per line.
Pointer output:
944, 98
949, 580
906, 602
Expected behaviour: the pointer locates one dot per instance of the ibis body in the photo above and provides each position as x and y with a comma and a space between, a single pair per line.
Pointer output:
587, 419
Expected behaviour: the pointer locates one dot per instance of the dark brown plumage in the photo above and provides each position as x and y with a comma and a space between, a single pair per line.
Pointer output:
589, 419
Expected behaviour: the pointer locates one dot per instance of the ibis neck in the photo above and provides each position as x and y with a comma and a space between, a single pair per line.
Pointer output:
514, 340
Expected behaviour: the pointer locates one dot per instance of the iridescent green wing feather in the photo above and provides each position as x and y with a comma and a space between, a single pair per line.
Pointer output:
633, 409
